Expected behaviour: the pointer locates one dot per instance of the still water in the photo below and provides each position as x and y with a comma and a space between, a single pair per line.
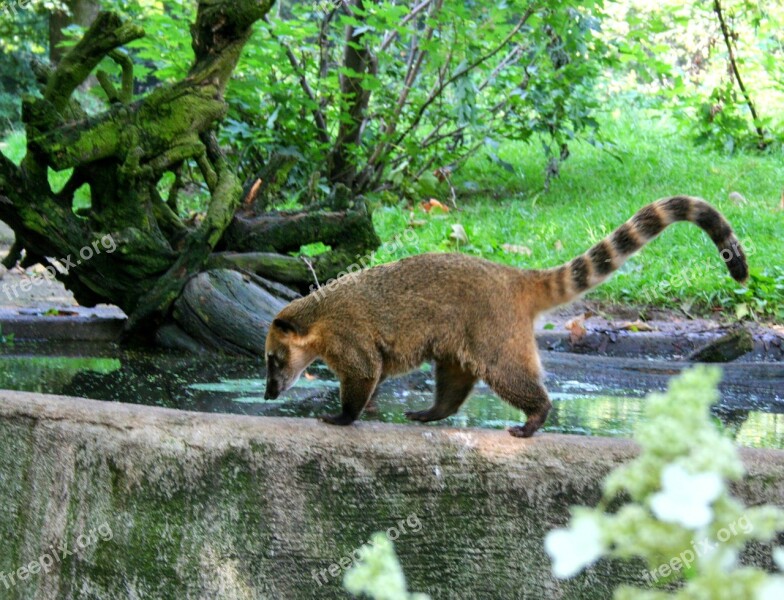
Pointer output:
591, 395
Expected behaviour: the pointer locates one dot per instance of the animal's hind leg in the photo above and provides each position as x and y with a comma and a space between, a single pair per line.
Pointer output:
372, 405
523, 390
453, 384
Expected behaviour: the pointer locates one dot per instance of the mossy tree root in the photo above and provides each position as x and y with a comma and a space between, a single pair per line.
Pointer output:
131, 248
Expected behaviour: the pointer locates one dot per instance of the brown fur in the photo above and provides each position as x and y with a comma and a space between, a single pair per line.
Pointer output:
472, 317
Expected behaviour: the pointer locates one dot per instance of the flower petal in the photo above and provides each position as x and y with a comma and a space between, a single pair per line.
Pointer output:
573, 549
686, 498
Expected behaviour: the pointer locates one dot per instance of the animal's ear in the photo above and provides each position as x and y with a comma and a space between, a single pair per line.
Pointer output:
289, 326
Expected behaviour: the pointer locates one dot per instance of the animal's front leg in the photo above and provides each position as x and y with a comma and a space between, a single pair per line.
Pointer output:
354, 395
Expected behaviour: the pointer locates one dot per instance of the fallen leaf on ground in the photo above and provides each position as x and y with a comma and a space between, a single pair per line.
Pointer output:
442, 173
742, 311
576, 328
636, 326
434, 204
253, 192
58, 312
738, 198
516, 249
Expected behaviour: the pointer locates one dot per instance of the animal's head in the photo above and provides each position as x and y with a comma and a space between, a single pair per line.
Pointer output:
288, 353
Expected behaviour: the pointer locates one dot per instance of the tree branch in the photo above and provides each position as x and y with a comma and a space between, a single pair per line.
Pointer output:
726, 34
107, 33
323, 42
356, 60
197, 245
126, 64
392, 35
318, 116
414, 66
441, 87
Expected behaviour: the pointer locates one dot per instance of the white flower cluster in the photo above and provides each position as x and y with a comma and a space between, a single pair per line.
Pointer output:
681, 518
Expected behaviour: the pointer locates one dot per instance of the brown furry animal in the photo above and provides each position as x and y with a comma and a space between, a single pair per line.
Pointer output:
472, 317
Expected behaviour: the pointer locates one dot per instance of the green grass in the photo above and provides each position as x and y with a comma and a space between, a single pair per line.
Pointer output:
594, 194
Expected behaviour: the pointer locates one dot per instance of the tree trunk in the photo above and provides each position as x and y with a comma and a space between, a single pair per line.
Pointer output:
357, 60
131, 248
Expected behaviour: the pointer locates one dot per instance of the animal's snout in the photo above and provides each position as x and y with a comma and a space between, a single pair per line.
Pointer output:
272, 391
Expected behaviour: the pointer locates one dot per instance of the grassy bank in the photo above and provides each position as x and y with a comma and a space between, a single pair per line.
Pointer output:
594, 194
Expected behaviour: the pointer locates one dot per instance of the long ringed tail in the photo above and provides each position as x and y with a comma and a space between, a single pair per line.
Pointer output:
565, 283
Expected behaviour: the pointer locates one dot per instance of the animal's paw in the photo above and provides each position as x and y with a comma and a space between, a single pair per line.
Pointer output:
521, 431
340, 419
422, 415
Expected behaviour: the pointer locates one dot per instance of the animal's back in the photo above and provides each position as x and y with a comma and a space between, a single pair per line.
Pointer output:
424, 306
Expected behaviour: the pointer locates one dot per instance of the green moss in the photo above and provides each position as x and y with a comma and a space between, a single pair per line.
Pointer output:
166, 526
16, 456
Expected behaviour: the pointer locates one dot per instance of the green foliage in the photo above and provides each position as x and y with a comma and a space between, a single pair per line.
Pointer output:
675, 54
762, 297
15, 148
23, 37
164, 54
7, 338
678, 514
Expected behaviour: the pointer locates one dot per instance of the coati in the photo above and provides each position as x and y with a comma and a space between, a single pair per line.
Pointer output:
472, 317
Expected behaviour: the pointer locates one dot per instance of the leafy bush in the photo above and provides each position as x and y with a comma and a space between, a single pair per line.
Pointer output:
416, 89
762, 297
681, 518
379, 95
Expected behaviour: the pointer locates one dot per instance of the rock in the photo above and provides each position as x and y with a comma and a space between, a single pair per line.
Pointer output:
727, 348
6, 235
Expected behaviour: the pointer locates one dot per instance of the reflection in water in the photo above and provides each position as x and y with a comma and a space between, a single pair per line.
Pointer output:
44, 374
761, 430
589, 399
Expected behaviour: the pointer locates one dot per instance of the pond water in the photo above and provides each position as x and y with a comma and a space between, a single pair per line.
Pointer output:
591, 395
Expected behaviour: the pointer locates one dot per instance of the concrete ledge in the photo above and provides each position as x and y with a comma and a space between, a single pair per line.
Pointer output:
78, 325
224, 506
